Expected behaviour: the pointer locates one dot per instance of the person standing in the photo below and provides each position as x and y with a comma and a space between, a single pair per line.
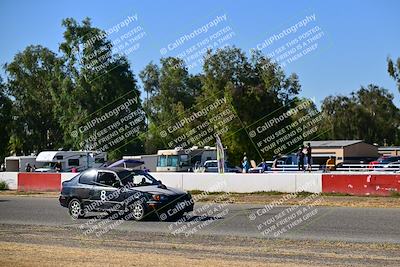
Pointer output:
264, 166
309, 157
28, 167
300, 158
330, 164
58, 166
275, 162
245, 165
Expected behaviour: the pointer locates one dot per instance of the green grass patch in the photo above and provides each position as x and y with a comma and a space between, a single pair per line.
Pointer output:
337, 195
298, 194
3, 185
266, 193
27, 193
196, 192
199, 192
395, 194
304, 194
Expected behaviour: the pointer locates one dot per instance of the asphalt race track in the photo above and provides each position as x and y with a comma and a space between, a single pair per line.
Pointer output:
329, 223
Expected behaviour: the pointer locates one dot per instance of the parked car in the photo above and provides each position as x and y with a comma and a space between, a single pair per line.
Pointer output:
260, 167
382, 161
393, 165
114, 189
212, 166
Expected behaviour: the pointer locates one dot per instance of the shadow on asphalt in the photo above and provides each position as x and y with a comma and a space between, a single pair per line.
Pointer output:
104, 216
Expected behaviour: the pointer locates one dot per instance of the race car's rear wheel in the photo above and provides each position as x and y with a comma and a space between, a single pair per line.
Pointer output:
137, 211
75, 209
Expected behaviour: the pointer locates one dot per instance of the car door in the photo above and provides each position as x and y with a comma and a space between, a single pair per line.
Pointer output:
106, 191
85, 187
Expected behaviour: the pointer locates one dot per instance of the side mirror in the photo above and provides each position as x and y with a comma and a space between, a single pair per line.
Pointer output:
161, 185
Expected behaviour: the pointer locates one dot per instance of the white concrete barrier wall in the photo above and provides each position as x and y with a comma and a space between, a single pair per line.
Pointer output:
173, 179
243, 183
246, 183
11, 178
309, 182
214, 182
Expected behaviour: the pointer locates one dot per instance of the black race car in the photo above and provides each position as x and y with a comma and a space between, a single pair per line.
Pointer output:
134, 193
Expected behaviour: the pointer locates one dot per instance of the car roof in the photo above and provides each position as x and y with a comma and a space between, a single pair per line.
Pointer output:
115, 169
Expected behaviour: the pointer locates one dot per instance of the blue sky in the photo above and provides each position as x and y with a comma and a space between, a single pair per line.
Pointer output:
357, 35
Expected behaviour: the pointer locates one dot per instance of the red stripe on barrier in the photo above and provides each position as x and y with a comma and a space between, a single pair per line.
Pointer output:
361, 184
29, 181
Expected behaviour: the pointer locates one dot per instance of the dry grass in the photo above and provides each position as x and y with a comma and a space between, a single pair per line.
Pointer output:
29, 194
24, 245
17, 254
325, 200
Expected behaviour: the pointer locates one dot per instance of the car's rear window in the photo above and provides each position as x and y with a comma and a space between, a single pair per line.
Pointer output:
88, 177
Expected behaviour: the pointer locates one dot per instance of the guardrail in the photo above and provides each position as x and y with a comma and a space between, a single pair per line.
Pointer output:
289, 168
345, 167
369, 167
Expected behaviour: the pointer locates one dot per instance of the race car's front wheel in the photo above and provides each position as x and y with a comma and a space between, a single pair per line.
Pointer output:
75, 209
137, 211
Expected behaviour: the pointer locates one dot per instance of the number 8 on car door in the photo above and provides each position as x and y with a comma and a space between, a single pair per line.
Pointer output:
106, 190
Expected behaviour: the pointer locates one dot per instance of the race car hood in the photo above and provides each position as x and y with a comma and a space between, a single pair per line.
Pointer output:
156, 189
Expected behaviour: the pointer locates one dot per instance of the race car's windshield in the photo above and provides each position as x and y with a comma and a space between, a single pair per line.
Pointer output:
137, 178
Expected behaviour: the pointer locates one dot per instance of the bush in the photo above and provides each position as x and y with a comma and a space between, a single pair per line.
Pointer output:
395, 194
3, 185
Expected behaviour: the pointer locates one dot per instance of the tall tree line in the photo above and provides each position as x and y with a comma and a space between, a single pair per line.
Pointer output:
47, 95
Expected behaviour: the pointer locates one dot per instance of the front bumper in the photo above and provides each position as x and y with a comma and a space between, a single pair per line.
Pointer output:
173, 207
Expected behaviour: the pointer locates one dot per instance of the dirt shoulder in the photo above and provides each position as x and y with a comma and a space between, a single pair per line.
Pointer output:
324, 199
29, 194
25, 245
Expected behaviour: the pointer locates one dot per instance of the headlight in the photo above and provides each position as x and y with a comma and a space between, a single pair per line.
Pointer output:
159, 197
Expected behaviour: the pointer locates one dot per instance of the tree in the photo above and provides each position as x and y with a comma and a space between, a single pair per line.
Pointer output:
171, 93
5, 120
32, 77
150, 77
254, 88
96, 80
368, 114
394, 70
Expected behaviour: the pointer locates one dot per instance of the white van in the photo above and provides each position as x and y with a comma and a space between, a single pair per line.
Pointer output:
80, 160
